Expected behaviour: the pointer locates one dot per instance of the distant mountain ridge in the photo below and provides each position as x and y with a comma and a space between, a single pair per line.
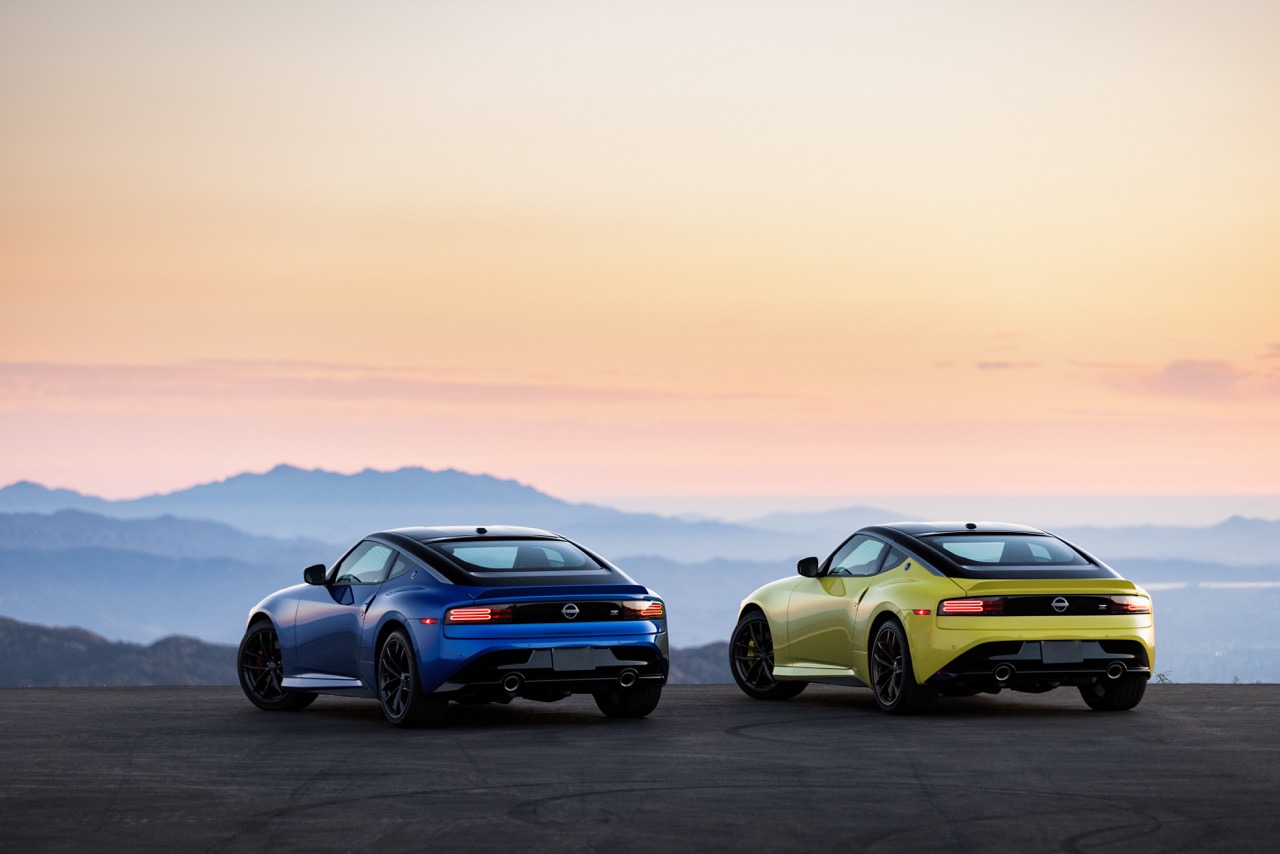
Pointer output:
39, 656
166, 536
289, 502
316, 505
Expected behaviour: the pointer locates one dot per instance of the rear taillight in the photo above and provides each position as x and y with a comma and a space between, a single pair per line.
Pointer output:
473, 614
646, 609
1130, 605
977, 607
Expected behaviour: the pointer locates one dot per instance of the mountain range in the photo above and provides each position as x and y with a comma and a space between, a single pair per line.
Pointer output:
289, 503
149, 568
316, 506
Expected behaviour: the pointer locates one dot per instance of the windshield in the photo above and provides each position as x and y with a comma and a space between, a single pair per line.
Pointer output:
514, 558
1008, 550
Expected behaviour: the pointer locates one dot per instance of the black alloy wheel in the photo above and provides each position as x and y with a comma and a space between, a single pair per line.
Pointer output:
751, 660
403, 702
261, 668
1119, 695
892, 677
634, 702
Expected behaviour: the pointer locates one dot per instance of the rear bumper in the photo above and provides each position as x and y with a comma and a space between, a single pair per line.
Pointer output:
557, 670
955, 648
1040, 665
547, 665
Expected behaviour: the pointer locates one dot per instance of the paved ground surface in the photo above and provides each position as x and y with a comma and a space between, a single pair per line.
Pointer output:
1194, 768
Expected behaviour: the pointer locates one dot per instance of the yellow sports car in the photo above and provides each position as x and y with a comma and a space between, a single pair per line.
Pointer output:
917, 609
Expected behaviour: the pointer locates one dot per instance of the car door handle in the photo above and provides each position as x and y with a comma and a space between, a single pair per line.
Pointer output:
369, 602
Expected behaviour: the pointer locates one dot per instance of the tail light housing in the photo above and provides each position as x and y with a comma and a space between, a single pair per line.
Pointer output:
1130, 605
643, 609
474, 614
976, 606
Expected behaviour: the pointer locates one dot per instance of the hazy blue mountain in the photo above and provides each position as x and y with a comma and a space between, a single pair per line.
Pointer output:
288, 502
166, 536
1155, 571
828, 528
39, 656
1234, 542
700, 665
27, 497
134, 596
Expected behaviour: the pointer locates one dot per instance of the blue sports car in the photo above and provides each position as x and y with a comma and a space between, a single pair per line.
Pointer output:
416, 617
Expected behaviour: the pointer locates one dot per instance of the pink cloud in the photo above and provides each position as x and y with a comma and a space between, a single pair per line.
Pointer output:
229, 382
1200, 378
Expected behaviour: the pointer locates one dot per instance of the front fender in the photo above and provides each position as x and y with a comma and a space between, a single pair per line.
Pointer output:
772, 599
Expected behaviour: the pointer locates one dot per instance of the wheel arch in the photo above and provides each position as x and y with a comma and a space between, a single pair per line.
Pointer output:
260, 617
889, 615
386, 629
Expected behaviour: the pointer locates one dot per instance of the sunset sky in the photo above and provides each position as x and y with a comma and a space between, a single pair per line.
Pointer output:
683, 250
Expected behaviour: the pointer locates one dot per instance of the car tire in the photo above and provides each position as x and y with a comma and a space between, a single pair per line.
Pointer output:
1117, 696
634, 702
751, 660
399, 688
893, 679
260, 666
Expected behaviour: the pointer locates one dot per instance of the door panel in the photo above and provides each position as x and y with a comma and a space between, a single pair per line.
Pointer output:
328, 628
820, 616
822, 611
331, 616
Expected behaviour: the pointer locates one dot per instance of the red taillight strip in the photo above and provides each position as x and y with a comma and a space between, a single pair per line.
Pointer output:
1131, 604
970, 607
645, 610
465, 614
469, 615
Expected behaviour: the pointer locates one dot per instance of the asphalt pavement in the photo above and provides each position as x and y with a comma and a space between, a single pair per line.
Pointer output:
1194, 768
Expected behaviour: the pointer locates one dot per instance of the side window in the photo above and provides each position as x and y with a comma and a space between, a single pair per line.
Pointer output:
400, 567
366, 564
859, 556
893, 560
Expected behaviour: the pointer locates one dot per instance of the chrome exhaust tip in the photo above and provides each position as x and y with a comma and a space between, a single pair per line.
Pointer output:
1115, 670
627, 678
512, 683
1002, 673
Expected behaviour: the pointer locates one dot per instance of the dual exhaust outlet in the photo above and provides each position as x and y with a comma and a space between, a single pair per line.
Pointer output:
1002, 673
512, 682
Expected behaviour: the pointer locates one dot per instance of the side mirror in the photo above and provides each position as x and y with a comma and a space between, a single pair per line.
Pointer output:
808, 567
315, 574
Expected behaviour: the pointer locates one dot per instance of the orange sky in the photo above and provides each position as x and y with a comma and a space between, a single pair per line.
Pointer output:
644, 249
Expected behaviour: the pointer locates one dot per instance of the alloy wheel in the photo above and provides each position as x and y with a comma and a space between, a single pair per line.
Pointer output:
262, 666
395, 677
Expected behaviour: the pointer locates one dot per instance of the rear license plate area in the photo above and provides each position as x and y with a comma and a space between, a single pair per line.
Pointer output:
1061, 652
580, 658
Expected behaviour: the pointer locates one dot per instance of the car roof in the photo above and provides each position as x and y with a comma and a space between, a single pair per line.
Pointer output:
921, 529
424, 534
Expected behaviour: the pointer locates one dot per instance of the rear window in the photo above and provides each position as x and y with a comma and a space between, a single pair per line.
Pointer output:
515, 558
1008, 550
